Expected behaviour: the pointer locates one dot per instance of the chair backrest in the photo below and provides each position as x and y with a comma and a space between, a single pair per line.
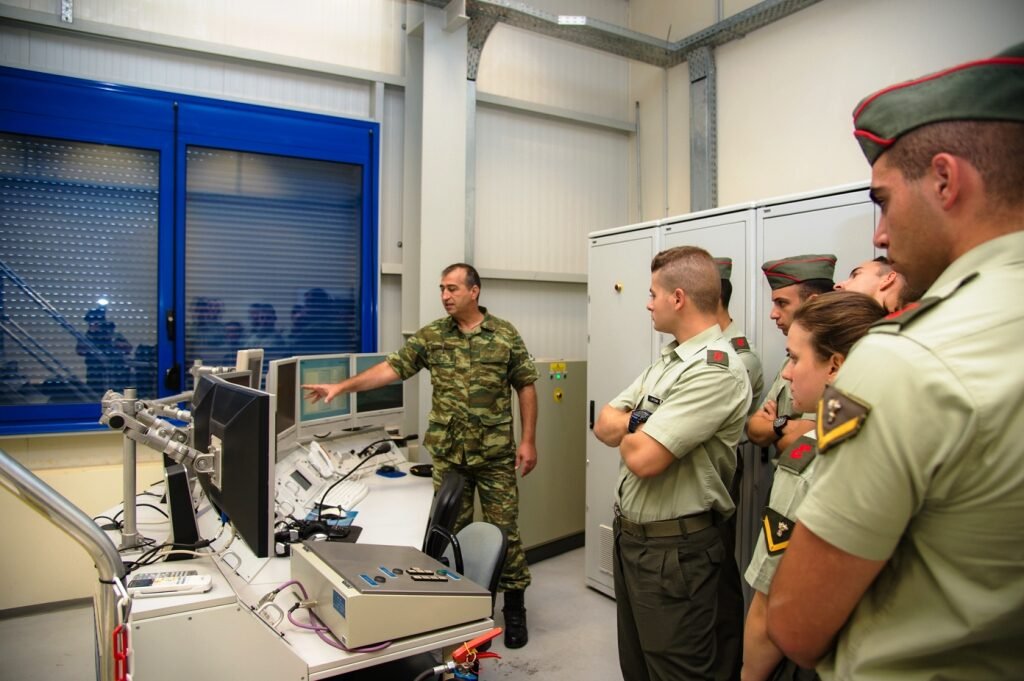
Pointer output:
483, 546
444, 511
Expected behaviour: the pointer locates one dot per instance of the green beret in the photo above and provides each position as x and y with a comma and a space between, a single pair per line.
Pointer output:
985, 90
799, 268
724, 266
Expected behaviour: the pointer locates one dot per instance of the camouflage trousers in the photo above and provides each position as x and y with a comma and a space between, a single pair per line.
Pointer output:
495, 480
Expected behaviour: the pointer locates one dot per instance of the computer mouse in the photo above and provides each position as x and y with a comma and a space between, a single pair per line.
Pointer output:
386, 468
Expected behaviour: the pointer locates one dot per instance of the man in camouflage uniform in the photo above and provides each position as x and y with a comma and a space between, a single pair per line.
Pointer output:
474, 359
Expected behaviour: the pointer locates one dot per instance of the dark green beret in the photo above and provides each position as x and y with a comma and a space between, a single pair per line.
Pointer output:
724, 266
984, 90
799, 268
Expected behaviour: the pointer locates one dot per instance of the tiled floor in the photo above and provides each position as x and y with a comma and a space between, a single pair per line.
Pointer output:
572, 635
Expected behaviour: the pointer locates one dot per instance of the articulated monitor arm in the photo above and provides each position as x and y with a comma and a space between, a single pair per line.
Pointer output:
140, 422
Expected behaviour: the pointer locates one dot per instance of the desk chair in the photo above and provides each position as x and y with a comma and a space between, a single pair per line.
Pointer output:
444, 511
483, 547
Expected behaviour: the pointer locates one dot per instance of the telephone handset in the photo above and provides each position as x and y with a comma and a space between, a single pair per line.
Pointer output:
320, 460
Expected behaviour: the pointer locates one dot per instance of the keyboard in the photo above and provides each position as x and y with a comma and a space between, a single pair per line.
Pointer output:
347, 494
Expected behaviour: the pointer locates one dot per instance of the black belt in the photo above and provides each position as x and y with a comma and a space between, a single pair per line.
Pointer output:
676, 527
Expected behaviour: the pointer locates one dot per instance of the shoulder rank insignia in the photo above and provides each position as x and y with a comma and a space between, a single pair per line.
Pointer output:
777, 530
908, 313
718, 357
740, 344
840, 416
799, 454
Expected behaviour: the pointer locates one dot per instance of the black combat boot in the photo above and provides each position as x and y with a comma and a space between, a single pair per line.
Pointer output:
516, 635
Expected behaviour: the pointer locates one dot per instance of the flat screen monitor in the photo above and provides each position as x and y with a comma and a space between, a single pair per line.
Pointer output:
251, 360
238, 420
321, 418
282, 382
388, 399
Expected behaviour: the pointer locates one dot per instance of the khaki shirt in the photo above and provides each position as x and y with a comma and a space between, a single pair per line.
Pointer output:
933, 480
472, 375
793, 477
734, 334
698, 395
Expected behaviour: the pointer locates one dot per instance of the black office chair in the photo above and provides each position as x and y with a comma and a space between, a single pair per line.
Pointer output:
444, 511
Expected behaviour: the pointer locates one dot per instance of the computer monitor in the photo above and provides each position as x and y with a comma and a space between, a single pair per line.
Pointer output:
238, 419
374, 407
251, 360
282, 381
321, 419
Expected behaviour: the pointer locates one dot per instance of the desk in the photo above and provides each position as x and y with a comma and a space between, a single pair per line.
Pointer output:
217, 635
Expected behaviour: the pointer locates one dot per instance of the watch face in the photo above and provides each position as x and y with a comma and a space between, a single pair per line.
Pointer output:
781, 422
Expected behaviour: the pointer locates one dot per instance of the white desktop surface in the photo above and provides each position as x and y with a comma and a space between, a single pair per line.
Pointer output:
393, 513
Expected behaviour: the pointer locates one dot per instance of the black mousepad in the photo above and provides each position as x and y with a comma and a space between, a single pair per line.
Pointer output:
423, 470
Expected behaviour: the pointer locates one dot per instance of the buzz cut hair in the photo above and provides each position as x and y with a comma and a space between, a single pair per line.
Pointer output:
693, 270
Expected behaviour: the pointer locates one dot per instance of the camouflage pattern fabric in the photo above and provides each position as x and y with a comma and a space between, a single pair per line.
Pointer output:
472, 375
470, 421
499, 500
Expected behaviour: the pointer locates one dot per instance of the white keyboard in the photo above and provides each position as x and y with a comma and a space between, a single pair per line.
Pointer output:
347, 494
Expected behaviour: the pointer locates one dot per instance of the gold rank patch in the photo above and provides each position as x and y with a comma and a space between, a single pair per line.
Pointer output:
840, 417
777, 530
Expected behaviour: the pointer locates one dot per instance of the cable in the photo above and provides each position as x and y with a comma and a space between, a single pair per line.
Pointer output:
323, 499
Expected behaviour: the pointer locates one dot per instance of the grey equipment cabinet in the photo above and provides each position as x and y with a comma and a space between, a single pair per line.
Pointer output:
621, 342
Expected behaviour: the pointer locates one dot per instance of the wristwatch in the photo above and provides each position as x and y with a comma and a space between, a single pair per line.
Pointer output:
778, 424
636, 418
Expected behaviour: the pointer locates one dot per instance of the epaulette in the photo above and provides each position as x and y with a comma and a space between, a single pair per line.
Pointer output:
740, 344
718, 357
777, 531
908, 312
840, 417
912, 311
799, 454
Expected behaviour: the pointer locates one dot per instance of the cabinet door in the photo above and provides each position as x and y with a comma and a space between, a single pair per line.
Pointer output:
723, 236
842, 224
621, 342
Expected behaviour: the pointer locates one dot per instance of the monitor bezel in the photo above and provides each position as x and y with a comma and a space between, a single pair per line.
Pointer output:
376, 417
261, 540
288, 437
328, 426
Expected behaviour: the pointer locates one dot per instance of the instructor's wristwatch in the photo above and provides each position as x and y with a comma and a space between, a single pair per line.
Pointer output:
778, 425
636, 418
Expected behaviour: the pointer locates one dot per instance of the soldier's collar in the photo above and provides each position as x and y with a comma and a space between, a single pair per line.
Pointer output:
692, 346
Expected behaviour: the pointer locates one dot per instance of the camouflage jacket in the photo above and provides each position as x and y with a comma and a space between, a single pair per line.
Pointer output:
472, 377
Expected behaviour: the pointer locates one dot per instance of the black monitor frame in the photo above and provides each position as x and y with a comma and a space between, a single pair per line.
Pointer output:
240, 420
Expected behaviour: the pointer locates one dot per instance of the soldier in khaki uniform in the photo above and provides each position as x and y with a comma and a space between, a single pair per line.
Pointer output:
877, 278
907, 561
475, 360
820, 337
676, 428
793, 281
729, 628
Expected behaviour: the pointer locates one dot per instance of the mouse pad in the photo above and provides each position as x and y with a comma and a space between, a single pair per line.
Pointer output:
331, 519
423, 470
391, 474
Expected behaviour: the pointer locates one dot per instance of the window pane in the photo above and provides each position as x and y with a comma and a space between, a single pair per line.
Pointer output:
78, 263
272, 255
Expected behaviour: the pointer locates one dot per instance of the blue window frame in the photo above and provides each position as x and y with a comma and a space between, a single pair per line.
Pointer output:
185, 206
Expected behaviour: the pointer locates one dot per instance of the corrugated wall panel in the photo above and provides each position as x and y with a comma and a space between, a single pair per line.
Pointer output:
542, 186
523, 65
99, 59
551, 318
364, 34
